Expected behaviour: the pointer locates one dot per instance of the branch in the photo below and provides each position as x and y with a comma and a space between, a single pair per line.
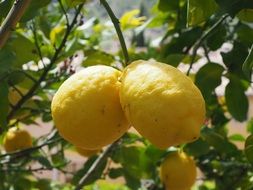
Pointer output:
206, 34
25, 152
116, 22
18, 9
95, 165
47, 69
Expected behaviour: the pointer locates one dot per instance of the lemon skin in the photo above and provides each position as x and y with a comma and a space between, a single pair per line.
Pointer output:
178, 171
162, 103
86, 108
17, 139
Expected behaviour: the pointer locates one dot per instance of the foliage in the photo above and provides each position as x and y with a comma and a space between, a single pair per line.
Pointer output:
54, 39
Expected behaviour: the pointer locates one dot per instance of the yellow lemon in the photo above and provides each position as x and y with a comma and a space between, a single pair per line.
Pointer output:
17, 139
162, 103
178, 171
86, 152
86, 108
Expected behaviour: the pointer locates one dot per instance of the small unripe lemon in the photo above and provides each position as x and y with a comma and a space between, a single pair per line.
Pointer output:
86, 152
178, 171
17, 139
162, 103
86, 108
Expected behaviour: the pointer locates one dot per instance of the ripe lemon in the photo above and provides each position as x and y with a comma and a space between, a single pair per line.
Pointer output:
86, 153
17, 139
178, 171
162, 103
86, 108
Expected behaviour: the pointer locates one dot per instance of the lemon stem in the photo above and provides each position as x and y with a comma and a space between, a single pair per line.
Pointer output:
116, 24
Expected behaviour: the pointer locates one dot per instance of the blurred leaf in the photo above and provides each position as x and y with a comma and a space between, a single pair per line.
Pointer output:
249, 148
217, 38
250, 126
97, 57
245, 34
94, 176
208, 78
246, 15
236, 137
33, 9
234, 6
5, 6
236, 100
214, 139
7, 59
134, 161
248, 64
185, 40
168, 5
174, 59
199, 11
43, 161
56, 34
130, 19
4, 106
116, 172
197, 148
154, 153
24, 49
234, 59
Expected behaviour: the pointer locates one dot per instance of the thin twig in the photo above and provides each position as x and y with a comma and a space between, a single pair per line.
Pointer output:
34, 30
47, 69
65, 13
116, 24
95, 165
12, 19
205, 35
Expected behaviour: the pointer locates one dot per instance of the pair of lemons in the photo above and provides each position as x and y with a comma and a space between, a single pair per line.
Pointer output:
97, 105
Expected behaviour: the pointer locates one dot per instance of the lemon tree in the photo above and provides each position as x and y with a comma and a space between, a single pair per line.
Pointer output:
148, 91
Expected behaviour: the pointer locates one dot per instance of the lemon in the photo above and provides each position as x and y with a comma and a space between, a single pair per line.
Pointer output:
178, 171
17, 139
86, 108
86, 153
162, 103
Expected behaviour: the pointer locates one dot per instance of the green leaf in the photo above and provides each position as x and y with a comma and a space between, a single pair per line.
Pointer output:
134, 161
115, 172
216, 140
250, 126
246, 15
94, 176
234, 59
5, 7
33, 9
248, 64
208, 78
245, 34
24, 49
217, 38
97, 57
236, 100
236, 137
197, 148
43, 161
168, 5
7, 58
248, 149
234, 6
174, 59
4, 106
199, 11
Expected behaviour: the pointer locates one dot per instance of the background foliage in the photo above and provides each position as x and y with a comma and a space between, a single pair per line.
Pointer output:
54, 39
